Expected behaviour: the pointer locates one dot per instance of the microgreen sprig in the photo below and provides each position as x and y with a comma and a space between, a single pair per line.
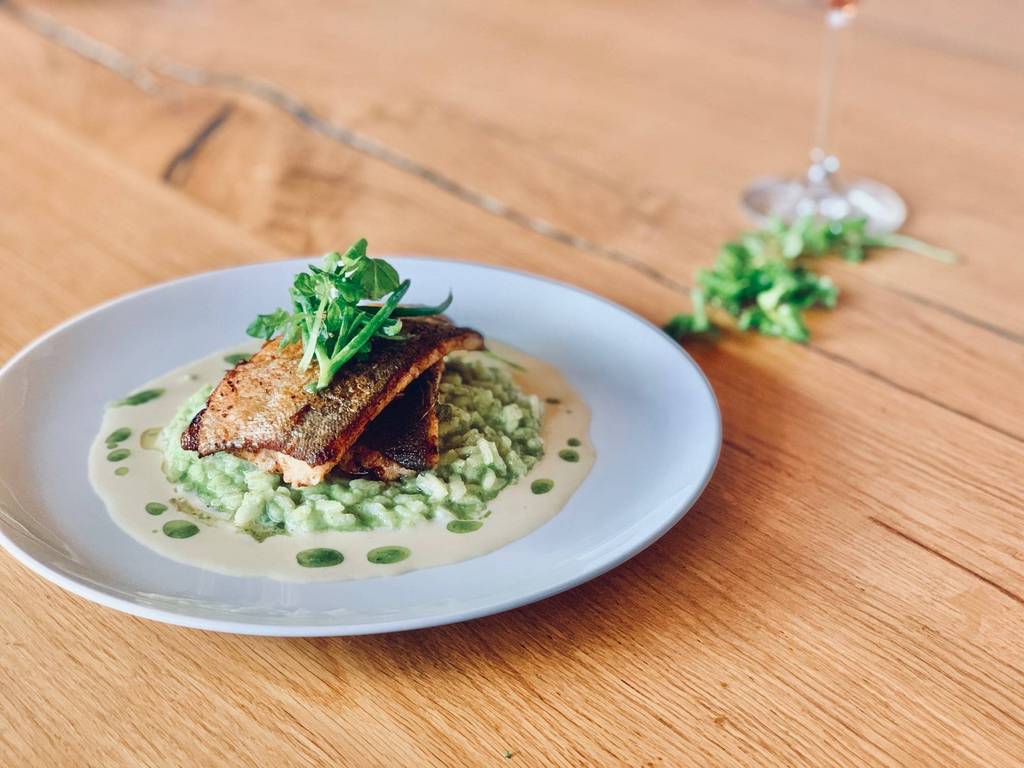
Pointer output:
762, 280
329, 318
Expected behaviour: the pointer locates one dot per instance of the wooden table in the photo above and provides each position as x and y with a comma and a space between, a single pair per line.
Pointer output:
850, 588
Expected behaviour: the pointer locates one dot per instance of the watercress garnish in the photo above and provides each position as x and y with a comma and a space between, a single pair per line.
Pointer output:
327, 314
762, 280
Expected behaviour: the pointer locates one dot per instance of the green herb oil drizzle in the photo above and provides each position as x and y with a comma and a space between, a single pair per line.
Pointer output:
139, 398
387, 555
180, 529
320, 557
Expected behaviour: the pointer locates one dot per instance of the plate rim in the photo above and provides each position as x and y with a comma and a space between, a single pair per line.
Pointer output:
456, 615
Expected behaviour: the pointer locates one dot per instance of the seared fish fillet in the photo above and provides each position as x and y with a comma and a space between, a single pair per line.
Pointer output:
404, 438
262, 412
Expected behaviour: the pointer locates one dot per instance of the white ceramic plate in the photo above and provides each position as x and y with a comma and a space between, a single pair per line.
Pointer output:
655, 427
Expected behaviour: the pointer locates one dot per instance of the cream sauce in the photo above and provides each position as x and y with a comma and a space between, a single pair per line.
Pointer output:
134, 497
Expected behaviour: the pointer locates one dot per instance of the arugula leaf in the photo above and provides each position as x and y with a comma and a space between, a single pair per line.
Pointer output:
354, 255
266, 326
695, 324
785, 320
763, 283
328, 317
378, 278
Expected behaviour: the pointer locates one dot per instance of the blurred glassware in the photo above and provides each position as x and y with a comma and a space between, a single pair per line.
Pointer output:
819, 192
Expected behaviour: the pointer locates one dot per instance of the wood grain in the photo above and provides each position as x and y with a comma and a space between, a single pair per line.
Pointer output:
570, 132
848, 591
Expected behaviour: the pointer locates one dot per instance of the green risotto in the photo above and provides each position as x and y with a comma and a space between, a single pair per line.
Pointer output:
490, 438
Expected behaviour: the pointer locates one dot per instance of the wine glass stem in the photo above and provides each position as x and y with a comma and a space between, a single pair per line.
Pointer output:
822, 163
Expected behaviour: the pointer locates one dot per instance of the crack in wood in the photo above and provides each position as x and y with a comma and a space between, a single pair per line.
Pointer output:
837, 358
85, 46
370, 147
142, 76
924, 301
738, 448
946, 558
177, 168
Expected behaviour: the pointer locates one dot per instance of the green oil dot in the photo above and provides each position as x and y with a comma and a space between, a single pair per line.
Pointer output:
464, 526
180, 529
119, 435
156, 508
121, 471
387, 555
148, 438
574, 442
568, 454
235, 359
321, 557
138, 398
119, 455
552, 400
542, 485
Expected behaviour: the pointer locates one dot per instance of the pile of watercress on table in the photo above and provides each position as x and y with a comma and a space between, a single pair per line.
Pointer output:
762, 280
329, 318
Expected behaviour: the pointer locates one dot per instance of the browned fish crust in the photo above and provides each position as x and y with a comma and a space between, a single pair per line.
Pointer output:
262, 408
404, 437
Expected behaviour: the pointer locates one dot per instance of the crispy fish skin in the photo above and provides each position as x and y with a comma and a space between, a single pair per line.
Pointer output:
261, 410
404, 438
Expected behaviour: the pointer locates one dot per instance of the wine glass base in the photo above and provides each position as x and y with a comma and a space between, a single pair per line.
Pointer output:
791, 199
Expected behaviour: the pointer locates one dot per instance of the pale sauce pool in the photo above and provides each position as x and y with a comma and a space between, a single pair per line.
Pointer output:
125, 469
